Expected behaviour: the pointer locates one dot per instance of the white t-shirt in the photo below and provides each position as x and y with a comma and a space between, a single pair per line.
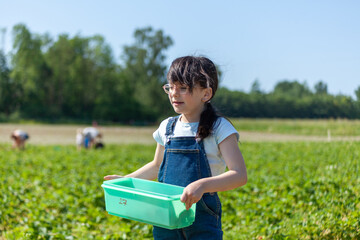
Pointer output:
223, 129
91, 131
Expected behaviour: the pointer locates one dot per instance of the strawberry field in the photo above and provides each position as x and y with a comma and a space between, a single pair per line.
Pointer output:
295, 190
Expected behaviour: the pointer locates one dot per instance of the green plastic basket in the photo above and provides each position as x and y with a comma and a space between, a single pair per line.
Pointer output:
147, 201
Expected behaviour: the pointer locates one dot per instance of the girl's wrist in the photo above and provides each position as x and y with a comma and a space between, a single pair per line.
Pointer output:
204, 185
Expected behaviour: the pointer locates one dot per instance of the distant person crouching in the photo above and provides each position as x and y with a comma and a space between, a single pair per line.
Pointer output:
19, 137
90, 136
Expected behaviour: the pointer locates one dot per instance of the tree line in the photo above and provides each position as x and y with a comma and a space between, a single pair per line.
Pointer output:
78, 79
289, 99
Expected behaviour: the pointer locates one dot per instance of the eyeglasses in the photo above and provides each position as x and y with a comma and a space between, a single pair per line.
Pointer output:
170, 89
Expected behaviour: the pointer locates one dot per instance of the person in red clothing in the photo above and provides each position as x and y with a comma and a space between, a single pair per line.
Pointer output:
19, 137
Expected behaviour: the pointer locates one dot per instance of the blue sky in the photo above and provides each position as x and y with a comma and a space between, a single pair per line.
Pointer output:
252, 39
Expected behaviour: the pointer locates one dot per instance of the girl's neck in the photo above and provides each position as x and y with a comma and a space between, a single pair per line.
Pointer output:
192, 116
189, 119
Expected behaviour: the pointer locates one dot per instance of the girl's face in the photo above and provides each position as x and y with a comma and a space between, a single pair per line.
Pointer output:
190, 105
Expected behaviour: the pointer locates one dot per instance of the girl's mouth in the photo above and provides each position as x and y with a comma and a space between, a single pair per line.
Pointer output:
175, 103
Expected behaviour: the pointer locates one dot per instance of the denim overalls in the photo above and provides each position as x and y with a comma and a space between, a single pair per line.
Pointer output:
184, 162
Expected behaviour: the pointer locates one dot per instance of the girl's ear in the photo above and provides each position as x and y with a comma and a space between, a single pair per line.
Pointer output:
207, 94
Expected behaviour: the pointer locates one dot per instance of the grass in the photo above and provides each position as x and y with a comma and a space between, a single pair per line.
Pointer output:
295, 191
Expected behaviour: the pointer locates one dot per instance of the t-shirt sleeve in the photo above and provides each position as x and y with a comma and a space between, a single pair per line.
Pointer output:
159, 134
223, 129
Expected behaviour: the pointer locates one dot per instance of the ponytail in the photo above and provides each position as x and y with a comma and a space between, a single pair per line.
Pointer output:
207, 120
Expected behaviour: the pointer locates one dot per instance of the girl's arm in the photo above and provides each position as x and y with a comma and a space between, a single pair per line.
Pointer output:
235, 177
148, 171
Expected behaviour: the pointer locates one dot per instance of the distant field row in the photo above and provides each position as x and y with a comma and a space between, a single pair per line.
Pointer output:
251, 130
306, 127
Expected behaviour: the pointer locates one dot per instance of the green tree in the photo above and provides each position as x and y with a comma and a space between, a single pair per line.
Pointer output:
86, 79
60, 57
357, 104
30, 72
8, 99
255, 87
145, 70
357, 93
76, 82
321, 88
113, 99
292, 89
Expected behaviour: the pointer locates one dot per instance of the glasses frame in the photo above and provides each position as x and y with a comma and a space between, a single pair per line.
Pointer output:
182, 90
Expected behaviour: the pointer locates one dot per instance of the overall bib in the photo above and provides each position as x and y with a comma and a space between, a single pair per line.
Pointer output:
184, 162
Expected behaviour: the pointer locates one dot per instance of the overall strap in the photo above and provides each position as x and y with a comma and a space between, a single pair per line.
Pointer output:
170, 126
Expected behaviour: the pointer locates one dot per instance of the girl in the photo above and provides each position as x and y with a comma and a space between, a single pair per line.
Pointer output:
194, 148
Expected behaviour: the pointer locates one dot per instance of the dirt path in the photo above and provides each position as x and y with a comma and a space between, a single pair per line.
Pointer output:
65, 134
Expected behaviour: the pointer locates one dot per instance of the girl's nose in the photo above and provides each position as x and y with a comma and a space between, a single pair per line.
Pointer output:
175, 92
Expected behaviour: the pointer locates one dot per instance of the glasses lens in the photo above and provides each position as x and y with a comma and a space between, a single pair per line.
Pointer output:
183, 90
170, 89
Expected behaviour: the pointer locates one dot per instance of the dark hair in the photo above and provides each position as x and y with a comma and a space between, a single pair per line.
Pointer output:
197, 71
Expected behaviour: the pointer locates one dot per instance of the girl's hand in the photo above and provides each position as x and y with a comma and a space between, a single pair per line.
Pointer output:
192, 194
110, 177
